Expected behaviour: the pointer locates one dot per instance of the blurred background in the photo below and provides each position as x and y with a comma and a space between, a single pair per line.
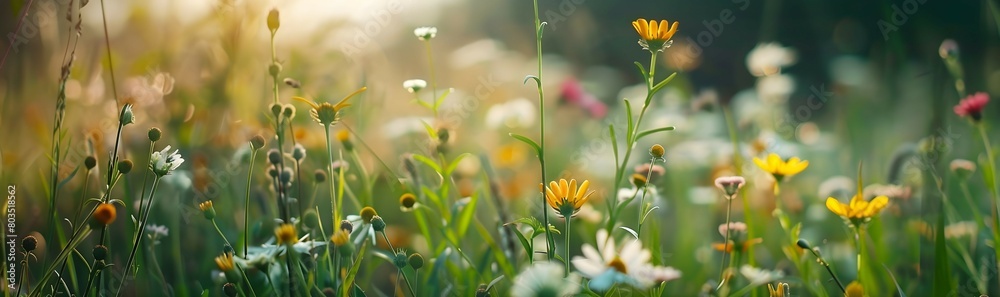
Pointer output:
834, 82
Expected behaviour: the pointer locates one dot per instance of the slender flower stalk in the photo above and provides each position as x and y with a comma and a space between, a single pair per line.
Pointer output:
730, 186
539, 25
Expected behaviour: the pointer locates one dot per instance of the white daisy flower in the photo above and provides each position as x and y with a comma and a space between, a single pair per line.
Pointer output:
356, 220
606, 265
164, 162
425, 33
414, 85
517, 113
758, 276
544, 279
768, 58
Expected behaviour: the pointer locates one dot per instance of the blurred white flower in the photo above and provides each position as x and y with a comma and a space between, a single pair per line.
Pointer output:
768, 58
517, 113
606, 265
758, 276
414, 85
360, 234
775, 89
164, 162
626, 193
425, 33
405, 125
544, 279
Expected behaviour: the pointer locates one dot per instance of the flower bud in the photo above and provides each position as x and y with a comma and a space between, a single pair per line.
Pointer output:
274, 69
311, 219
273, 21
229, 289
638, 180
274, 156
276, 110
416, 261
656, 151
400, 260
288, 111
100, 252
29, 243
298, 152
346, 226
207, 209
319, 175
802, 243
126, 116
125, 166
90, 162
257, 142
154, 134
367, 214
378, 224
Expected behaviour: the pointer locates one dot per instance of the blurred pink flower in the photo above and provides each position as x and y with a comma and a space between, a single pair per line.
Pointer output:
573, 93
973, 105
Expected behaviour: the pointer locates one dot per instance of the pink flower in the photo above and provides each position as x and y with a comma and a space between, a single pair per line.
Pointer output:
973, 106
574, 94
730, 184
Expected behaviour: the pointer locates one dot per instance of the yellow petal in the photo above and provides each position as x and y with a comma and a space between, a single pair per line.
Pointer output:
571, 192
638, 29
673, 29
836, 207
343, 102
563, 188
760, 163
653, 29
579, 202
583, 188
643, 28
307, 101
876, 205
557, 193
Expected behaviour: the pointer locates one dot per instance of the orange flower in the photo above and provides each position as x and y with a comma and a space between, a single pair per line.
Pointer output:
567, 194
105, 213
654, 35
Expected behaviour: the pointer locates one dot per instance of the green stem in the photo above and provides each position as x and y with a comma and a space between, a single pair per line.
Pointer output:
642, 199
993, 187
246, 206
430, 66
139, 233
332, 180
725, 249
566, 244
214, 224
549, 240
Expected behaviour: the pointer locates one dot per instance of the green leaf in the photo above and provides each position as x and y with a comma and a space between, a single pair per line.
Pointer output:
614, 141
628, 132
663, 83
524, 241
532, 143
989, 177
942, 266
494, 282
538, 81
898, 288
541, 29
498, 252
427, 161
642, 70
454, 163
466, 215
630, 231
358, 292
354, 269
430, 130
424, 104
651, 131
441, 98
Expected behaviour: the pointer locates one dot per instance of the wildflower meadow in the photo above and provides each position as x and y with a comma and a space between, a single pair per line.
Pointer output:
500, 148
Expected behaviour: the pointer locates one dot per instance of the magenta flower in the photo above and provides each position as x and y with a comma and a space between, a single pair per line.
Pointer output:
973, 106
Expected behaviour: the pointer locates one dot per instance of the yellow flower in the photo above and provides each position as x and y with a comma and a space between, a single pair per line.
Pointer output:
328, 114
567, 194
207, 209
654, 35
780, 168
777, 291
858, 209
225, 262
407, 202
340, 237
286, 234
855, 290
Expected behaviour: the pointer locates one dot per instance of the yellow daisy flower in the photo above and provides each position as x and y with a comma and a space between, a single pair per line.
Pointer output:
225, 262
780, 168
654, 34
858, 209
286, 234
328, 114
567, 194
